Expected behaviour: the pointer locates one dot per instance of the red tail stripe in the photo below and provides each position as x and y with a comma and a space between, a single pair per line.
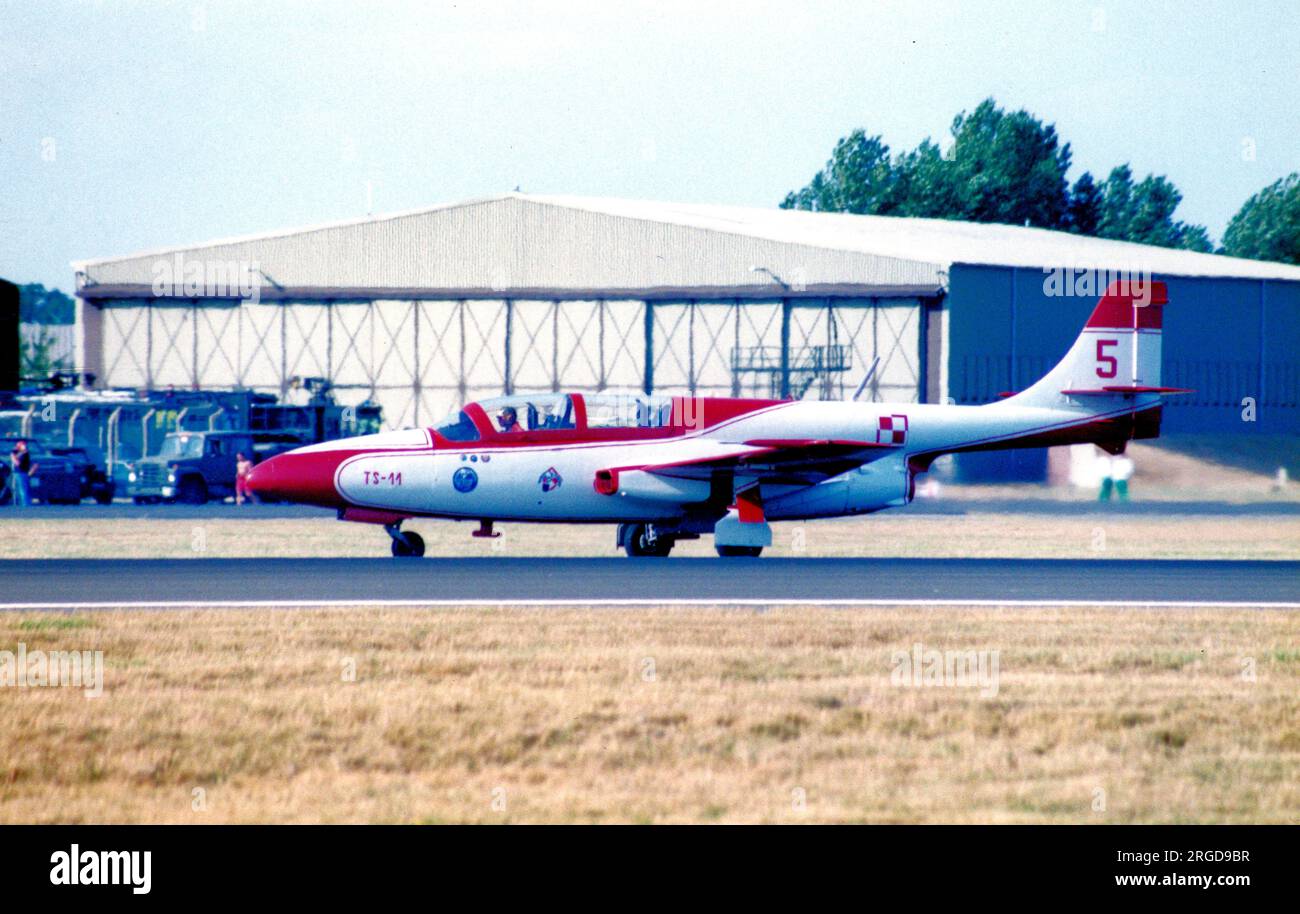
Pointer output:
1131, 305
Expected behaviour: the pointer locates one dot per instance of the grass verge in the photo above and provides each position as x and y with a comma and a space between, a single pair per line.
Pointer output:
656, 715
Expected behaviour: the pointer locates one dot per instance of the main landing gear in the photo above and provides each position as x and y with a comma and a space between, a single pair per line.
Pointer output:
641, 540
741, 532
645, 541
405, 545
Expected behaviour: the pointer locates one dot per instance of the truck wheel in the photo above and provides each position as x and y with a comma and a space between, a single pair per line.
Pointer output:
103, 498
637, 546
729, 552
192, 491
411, 545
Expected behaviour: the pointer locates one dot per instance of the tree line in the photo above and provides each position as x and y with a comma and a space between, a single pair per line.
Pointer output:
1010, 167
39, 305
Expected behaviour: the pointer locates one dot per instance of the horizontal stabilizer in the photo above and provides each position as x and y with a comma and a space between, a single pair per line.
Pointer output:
1127, 389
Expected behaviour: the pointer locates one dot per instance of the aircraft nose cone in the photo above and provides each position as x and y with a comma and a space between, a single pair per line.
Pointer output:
299, 477
261, 479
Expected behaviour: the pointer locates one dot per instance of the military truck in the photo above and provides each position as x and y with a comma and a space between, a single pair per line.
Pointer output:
95, 483
190, 467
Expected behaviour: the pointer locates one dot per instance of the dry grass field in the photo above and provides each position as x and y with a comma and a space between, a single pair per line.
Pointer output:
1116, 535
656, 715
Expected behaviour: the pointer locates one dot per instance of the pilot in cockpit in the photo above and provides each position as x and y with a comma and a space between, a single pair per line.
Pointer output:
508, 419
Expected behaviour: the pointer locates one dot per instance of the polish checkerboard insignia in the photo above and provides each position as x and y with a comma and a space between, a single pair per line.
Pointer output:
891, 430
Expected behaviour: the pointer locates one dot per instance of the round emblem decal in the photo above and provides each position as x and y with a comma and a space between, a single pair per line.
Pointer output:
465, 480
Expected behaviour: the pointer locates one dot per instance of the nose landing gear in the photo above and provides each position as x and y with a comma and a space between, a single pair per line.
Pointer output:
405, 545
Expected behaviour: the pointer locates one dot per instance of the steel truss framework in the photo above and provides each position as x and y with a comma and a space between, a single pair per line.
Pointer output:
421, 359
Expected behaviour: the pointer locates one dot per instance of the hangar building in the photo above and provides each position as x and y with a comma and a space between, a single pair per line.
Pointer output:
424, 310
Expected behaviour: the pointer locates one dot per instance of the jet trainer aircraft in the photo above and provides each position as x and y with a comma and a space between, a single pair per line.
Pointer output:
670, 468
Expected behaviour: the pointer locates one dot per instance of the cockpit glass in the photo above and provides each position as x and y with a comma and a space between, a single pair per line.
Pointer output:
457, 427
628, 411
534, 413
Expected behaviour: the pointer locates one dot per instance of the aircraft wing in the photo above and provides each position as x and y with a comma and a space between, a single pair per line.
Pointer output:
798, 461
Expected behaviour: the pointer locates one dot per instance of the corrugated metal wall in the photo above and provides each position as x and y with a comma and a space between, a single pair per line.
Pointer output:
514, 243
1229, 339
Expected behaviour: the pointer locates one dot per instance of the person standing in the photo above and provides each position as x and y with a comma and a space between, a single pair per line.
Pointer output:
1121, 469
243, 467
21, 469
1118, 469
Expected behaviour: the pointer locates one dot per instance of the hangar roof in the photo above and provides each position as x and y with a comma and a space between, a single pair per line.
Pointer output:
537, 246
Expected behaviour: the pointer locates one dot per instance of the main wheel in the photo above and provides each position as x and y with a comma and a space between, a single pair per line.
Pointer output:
411, 545
638, 544
729, 552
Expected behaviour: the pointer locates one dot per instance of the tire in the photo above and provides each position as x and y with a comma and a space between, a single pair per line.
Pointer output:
410, 546
733, 552
103, 498
634, 542
192, 491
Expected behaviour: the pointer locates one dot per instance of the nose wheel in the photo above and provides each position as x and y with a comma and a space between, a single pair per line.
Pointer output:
405, 545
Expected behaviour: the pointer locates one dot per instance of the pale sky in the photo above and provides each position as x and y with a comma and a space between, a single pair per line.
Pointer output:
129, 126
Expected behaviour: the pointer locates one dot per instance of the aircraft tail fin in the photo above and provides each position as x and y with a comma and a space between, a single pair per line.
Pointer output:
1116, 355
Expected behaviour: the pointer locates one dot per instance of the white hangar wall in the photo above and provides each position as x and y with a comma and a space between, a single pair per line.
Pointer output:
422, 311
420, 359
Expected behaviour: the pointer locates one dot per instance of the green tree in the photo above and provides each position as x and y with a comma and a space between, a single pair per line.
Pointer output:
1085, 206
1008, 168
39, 305
924, 184
1267, 227
1001, 167
1144, 212
858, 178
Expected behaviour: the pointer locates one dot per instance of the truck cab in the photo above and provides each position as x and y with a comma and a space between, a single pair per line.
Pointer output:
192, 467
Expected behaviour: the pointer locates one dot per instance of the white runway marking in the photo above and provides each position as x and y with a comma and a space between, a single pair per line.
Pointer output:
344, 604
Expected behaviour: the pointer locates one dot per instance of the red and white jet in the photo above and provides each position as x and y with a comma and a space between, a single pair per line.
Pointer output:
669, 468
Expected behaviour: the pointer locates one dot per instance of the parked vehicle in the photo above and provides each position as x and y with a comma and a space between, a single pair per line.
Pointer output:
57, 480
94, 481
190, 467
119, 428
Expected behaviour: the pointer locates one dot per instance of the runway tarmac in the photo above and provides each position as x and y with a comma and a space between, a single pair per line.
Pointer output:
88, 583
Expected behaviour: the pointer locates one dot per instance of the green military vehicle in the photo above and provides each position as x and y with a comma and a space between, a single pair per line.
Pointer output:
190, 467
